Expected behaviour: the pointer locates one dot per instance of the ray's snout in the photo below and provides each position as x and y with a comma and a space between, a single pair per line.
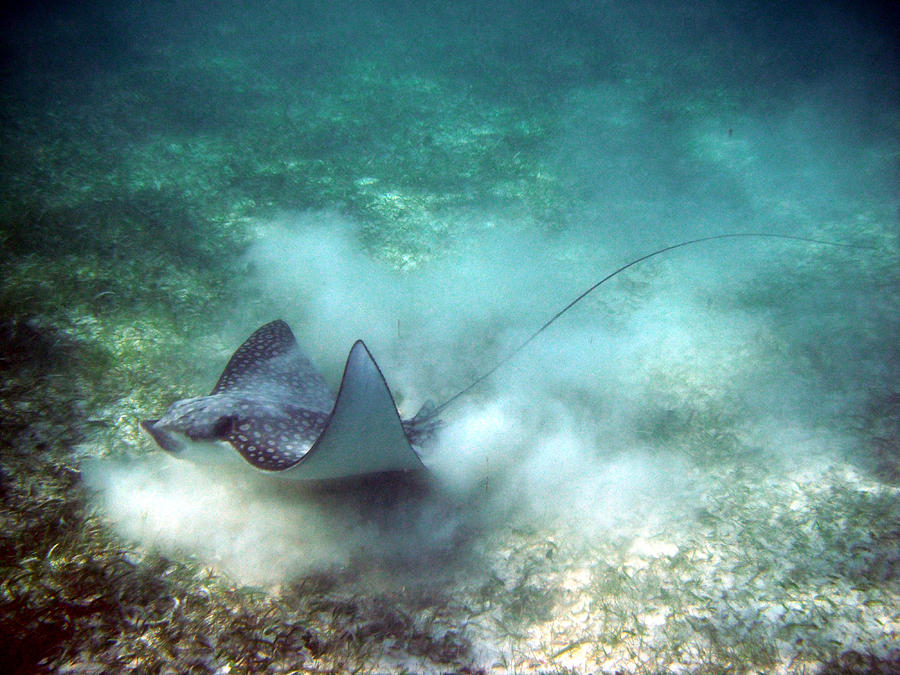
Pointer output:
163, 439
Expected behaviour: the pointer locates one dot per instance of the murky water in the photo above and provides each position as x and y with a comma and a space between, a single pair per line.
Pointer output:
695, 469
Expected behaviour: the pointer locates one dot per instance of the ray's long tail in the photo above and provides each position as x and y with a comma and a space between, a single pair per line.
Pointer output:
430, 411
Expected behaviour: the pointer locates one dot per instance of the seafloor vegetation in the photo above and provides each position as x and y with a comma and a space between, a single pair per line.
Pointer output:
129, 190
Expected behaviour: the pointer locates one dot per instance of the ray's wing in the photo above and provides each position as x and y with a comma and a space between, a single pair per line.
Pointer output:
276, 442
363, 434
270, 361
286, 419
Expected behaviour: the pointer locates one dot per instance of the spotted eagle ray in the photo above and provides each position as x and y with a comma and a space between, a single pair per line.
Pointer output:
275, 409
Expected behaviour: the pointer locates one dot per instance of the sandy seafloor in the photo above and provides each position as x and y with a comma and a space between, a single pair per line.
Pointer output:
696, 469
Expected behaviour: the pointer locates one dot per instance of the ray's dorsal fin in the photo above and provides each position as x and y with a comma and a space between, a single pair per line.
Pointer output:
271, 355
363, 434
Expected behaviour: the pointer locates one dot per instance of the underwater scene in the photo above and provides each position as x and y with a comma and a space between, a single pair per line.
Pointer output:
693, 468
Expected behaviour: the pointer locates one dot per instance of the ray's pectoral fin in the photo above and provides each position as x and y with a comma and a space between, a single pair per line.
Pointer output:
268, 342
363, 434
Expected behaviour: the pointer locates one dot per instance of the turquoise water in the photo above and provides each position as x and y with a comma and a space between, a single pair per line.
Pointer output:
695, 469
